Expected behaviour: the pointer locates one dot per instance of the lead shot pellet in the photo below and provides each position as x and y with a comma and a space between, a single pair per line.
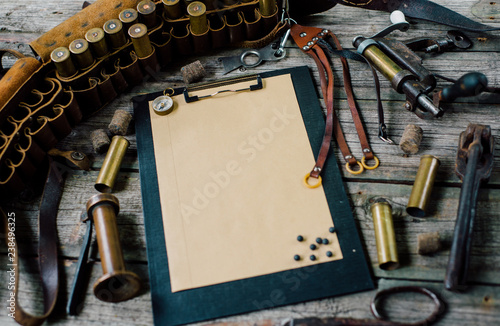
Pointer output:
329, 254
319, 240
140, 40
300, 238
147, 12
61, 58
332, 229
296, 257
97, 42
313, 247
312, 257
120, 122
80, 50
325, 241
114, 30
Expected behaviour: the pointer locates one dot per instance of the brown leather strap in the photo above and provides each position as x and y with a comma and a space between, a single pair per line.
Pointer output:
307, 39
47, 250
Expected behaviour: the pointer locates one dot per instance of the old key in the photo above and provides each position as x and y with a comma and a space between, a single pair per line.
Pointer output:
473, 165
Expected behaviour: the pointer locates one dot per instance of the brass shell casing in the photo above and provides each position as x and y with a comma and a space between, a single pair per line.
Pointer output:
97, 41
173, 9
111, 165
384, 235
80, 51
140, 40
128, 17
147, 13
267, 7
384, 64
61, 57
114, 31
422, 187
198, 17
117, 284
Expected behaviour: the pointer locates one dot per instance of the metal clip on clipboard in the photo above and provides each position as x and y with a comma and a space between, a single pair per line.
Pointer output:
223, 82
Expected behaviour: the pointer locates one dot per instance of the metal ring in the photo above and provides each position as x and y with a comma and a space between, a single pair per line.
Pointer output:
373, 167
351, 171
306, 182
438, 304
245, 54
170, 89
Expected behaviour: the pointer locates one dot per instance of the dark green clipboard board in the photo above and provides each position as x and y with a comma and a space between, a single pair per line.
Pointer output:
349, 275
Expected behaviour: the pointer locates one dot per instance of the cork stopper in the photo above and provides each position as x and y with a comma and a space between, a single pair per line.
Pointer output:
428, 243
100, 140
193, 72
120, 122
410, 141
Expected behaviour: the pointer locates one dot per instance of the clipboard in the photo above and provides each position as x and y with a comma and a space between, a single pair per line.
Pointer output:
203, 300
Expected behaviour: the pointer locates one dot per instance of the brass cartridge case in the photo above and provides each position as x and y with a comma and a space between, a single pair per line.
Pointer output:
384, 64
267, 7
422, 187
111, 165
173, 9
80, 51
140, 40
97, 42
61, 57
114, 31
128, 17
197, 17
117, 284
384, 235
147, 13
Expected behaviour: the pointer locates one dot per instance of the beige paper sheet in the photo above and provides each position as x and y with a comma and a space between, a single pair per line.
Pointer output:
230, 172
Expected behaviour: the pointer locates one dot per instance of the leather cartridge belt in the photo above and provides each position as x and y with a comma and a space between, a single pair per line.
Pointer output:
39, 106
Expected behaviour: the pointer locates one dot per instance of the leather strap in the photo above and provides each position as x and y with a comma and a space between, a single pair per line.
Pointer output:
47, 250
309, 41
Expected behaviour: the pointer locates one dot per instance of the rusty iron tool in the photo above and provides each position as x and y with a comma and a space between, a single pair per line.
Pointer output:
474, 164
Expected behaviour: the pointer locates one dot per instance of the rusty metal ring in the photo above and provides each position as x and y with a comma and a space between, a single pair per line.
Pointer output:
438, 304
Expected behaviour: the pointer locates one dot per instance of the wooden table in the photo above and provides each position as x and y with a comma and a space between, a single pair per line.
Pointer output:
22, 22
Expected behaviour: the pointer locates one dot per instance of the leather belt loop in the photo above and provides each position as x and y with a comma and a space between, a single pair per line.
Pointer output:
47, 250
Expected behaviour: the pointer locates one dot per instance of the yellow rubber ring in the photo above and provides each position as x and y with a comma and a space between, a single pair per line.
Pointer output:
377, 163
348, 168
306, 183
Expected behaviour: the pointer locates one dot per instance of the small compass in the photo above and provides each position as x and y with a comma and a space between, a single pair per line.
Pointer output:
163, 105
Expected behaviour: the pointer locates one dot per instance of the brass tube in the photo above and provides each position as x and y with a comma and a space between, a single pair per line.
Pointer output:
147, 12
267, 7
111, 165
116, 284
384, 64
80, 51
197, 17
114, 31
384, 235
140, 40
422, 187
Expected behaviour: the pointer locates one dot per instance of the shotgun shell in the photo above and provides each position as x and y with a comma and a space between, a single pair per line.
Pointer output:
140, 40
267, 7
80, 50
97, 42
128, 17
111, 165
114, 30
422, 187
197, 17
62, 60
172, 9
384, 235
147, 12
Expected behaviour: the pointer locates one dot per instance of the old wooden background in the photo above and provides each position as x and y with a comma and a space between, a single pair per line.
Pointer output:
23, 21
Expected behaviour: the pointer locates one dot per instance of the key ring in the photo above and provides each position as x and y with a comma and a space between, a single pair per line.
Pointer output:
438, 304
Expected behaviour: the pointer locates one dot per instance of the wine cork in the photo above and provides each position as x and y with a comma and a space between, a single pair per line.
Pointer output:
120, 122
193, 72
410, 141
428, 243
100, 140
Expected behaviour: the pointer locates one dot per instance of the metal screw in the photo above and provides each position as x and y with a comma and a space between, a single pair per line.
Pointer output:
303, 34
305, 48
315, 39
366, 150
325, 31
77, 156
310, 43
348, 157
408, 106
317, 169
